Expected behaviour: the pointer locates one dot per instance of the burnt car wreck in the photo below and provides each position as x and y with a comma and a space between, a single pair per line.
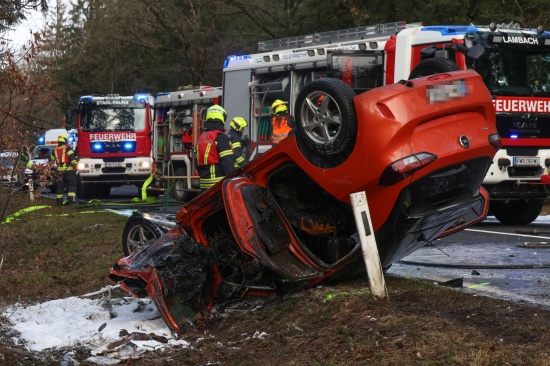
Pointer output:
284, 221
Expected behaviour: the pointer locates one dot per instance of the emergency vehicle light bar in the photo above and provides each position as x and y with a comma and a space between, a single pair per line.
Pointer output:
342, 35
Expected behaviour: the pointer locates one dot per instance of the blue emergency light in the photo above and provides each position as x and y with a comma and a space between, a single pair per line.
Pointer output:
513, 136
129, 146
85, 99
141, 97
98, 146
41, 140
235, 58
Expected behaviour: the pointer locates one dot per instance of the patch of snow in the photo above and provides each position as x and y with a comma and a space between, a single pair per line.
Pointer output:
112, 328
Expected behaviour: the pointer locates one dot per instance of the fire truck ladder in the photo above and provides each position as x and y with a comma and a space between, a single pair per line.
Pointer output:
337, 36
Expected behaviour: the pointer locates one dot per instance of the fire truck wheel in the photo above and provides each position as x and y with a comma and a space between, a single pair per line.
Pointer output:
517, 212
103, 190
85, 190
180, 190
140, 232
433, 66
325, 117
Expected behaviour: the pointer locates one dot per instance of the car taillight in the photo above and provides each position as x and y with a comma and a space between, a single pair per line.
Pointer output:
403, 168
495, 141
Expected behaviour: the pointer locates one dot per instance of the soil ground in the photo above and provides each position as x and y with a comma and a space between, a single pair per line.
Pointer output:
419, 323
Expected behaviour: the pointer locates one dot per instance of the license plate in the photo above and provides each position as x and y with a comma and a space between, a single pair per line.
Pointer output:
113, 165
526, 161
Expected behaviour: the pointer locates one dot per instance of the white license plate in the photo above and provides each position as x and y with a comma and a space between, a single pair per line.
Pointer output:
113, 165
526, 161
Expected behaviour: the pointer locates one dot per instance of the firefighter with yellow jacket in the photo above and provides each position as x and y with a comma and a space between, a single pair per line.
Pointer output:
213, 153
236, 129
66, 160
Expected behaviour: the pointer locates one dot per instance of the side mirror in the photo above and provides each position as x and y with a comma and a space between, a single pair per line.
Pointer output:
475, 52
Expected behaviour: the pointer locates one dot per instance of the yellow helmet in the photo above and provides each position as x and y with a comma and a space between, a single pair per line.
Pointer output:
279, 106
62, 138
216, 112
238, 124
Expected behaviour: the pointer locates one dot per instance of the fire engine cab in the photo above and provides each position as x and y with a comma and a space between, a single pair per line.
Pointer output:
514, 63
177, 125
114, 142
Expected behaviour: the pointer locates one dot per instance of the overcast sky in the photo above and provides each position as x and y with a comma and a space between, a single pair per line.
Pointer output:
35, 21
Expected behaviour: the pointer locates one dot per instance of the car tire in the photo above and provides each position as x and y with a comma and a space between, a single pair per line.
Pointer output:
140, 232
325, 117
516, 212
433, 66
180, 189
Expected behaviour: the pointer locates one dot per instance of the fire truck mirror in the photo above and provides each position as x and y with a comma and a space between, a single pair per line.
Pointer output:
475, 52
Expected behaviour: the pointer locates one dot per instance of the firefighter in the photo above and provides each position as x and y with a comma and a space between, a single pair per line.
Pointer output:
213, 153
24, 163
282, 122
66, 160
236, 129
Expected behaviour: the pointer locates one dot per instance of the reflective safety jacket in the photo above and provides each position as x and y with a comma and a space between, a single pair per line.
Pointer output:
24, 161
214, 157
236, 142
206, 150
282, 126
65, 158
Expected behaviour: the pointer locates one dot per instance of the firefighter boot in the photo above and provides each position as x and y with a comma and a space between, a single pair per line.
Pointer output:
72, 201
59, 201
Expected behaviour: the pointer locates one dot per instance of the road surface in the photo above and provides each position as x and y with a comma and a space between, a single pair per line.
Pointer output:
491, 258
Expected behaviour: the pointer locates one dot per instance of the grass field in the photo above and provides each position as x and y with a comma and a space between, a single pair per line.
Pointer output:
55, 252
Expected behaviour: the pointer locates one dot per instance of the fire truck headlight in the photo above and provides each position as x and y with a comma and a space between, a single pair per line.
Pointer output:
129, 146
145, 164
81, 166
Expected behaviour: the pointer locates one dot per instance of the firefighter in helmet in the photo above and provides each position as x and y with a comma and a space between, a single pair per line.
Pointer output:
282, 122
236, 129
66, 160
213, 153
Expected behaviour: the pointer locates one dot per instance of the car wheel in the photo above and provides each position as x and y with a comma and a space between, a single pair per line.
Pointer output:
180, 189
433, 66
139, 232
515, 212
325, 117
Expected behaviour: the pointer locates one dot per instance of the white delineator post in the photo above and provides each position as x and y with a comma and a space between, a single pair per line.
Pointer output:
368, 244
28, 173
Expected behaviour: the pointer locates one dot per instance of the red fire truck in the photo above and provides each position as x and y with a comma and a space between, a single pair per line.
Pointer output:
114, 142
514, 63
177, 125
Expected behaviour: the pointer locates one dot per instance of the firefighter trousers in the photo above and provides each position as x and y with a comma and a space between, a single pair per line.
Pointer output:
67, 179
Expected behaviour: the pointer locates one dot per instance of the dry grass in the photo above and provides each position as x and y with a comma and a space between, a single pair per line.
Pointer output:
47, 257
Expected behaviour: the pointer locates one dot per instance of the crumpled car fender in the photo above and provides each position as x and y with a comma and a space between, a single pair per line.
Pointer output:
177, 272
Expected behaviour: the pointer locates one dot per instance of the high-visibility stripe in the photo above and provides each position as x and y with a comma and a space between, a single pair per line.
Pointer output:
225, 153
206, 183
206, 152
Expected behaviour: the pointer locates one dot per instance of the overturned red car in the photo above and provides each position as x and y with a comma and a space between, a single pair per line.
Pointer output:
419, 149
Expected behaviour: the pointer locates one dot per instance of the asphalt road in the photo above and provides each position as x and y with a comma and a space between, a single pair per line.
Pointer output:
491, 259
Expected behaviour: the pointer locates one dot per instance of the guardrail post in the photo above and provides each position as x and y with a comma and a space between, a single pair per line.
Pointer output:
368, 244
